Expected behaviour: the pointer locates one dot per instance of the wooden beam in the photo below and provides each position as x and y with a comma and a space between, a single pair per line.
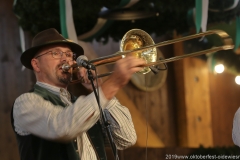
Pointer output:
140, 124
193, 101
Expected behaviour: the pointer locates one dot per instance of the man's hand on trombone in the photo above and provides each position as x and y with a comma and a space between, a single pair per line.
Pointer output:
123, 70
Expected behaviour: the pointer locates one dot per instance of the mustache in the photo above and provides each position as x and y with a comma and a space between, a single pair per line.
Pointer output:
59, 66
62, 63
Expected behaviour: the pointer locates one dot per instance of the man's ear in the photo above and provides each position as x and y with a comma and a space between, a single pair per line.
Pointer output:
35, 65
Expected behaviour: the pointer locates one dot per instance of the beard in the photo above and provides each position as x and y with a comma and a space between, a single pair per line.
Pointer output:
63, 77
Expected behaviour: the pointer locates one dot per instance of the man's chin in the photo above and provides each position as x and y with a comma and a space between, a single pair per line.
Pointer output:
65, 78
64, 81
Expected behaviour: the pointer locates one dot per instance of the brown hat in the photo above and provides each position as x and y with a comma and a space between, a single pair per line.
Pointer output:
45, 38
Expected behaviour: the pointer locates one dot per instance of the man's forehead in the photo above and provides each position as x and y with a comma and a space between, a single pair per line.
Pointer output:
56, 47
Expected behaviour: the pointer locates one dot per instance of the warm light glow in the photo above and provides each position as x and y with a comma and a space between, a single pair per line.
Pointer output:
237, 80
219, 68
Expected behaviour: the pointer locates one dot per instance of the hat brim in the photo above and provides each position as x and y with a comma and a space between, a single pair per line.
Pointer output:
28, 55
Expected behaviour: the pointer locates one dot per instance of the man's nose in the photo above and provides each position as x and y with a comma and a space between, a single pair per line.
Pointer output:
64, 57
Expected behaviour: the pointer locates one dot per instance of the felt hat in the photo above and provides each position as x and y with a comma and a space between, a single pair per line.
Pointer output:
46, 38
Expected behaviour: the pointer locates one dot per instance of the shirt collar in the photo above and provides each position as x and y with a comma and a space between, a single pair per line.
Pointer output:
53, 89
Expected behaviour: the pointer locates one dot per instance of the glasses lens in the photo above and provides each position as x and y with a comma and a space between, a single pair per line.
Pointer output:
69, 54
58, 54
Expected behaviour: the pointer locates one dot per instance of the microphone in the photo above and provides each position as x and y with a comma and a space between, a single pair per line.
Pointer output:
83, 61
66, 67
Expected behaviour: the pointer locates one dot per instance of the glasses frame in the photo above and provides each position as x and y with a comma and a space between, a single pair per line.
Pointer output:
61, 52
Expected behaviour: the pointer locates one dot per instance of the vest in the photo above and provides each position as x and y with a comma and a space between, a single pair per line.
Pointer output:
32, 147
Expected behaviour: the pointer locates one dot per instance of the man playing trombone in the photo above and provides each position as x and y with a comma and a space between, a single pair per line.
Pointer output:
50, 123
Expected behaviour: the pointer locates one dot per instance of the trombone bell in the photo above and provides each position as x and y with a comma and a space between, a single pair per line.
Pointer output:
137, 38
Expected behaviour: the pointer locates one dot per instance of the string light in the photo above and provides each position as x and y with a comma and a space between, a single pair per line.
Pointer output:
237, 80
219, 68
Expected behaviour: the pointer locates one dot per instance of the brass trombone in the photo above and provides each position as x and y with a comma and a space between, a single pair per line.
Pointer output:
140, 44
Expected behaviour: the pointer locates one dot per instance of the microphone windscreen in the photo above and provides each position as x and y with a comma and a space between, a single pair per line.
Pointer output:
65, 67
81, 59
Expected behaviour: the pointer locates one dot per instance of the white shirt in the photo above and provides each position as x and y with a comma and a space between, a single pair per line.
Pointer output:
34, 115
236, 128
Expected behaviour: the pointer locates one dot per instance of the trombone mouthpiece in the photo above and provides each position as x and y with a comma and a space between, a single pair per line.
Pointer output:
66, 67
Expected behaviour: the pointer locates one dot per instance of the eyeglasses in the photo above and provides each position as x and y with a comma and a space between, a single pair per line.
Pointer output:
59, 54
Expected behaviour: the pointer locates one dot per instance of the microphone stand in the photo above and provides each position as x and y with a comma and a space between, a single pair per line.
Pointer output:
105, 121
